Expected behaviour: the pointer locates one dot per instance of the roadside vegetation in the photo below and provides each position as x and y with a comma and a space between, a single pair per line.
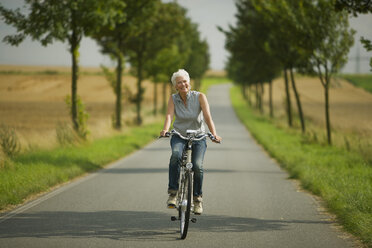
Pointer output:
35, 171
360, 80
340, 177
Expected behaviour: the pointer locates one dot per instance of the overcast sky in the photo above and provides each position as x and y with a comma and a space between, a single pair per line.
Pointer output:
207, 13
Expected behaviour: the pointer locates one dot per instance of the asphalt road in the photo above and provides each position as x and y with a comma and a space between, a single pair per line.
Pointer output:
248, 202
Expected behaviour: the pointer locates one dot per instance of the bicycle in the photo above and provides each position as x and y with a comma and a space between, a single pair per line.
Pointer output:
184, 204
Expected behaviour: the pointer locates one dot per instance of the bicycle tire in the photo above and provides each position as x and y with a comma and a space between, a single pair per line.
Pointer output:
185, 210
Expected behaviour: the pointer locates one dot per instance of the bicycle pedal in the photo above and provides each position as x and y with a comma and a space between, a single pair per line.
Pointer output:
171, 206
193, 220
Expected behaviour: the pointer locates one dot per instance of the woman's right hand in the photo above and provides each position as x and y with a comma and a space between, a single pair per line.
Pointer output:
163, 132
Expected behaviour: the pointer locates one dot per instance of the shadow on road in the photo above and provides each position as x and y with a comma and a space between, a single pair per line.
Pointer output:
153, 170
128, 225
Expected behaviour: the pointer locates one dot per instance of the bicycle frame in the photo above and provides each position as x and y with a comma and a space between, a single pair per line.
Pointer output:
185, 172
185, 191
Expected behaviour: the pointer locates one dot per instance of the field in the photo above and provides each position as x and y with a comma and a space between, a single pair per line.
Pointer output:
350, 112
32, 101
350, 107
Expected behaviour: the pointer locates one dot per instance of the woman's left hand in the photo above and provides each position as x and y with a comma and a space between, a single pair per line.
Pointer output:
217, 139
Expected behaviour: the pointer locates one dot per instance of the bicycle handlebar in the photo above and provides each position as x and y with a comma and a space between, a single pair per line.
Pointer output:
211, 136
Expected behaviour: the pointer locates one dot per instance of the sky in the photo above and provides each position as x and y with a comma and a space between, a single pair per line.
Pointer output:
208, 14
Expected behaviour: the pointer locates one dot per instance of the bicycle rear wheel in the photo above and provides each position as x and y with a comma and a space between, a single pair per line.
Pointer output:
185, 206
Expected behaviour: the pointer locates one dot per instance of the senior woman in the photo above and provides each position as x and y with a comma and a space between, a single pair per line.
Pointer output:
190, 109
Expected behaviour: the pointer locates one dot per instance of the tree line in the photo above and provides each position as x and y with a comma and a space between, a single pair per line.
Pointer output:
274, 38
155, 38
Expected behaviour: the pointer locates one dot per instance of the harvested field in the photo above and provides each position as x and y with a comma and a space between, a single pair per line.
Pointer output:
34, 104
350, 107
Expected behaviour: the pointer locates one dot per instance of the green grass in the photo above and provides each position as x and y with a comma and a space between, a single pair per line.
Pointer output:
343, 179
36, 171
360, 80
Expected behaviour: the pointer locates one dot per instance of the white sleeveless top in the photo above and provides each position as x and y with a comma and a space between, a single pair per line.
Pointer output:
189, 116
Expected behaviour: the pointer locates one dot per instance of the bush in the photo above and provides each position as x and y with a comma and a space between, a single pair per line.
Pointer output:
2, 159
65, 134
82, 116
9, 141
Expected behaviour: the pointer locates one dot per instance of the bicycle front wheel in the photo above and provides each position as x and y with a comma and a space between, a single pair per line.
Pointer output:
185, 207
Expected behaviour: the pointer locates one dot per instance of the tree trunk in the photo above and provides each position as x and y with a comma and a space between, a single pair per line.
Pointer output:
171, 88
257, 97
119, 71
155, 111
74, 43
249, 95
164, 97
74, 79
244, 91
197, 84
261, 92
328, 121
288, 98
271, 99
299, 107
139, 88
326, 82
326, 95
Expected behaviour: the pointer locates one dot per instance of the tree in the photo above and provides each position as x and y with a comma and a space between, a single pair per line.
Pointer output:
252, 61
166, 27
333, 40
169, 47
354, 6
166, 66
198, 60
286, 21
65, 21
139, 53
114, 41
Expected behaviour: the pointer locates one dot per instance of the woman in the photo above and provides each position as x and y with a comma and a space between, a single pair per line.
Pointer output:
190, 109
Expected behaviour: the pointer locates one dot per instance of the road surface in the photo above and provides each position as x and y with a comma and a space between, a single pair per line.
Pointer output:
248, 202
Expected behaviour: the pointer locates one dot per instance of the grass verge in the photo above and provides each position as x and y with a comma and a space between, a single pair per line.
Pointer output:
343, 179
360, 80
36, 171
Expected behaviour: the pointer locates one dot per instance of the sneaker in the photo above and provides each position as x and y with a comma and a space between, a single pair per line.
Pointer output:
198, 206
172, 201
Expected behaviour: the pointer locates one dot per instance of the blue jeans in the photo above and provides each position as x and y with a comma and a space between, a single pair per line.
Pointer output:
198, 151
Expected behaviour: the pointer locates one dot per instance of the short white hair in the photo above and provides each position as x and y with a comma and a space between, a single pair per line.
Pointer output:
180, 73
